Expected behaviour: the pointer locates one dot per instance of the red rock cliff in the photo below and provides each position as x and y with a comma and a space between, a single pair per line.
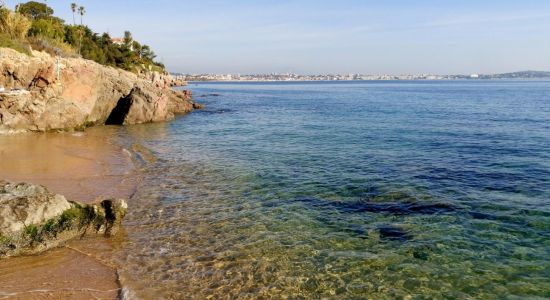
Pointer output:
72, 93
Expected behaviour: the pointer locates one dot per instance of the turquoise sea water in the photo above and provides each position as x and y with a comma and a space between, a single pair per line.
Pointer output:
347, 191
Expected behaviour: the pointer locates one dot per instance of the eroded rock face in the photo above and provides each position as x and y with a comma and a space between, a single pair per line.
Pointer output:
71, 93
32, 219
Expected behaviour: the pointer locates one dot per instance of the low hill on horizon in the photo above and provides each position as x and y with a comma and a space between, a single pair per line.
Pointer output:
518, 75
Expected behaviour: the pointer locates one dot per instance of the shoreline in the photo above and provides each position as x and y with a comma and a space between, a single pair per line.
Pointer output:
82, 166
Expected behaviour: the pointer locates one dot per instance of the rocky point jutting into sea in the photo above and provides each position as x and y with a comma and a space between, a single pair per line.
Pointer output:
46, 93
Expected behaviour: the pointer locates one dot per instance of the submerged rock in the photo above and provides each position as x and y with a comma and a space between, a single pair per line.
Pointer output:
32, 219
74, 93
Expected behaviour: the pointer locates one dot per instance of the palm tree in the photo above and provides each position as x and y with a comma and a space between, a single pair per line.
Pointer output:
82, 12
73, 8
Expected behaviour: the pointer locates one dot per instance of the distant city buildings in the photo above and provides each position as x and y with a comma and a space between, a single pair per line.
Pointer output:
296, 77
351, 77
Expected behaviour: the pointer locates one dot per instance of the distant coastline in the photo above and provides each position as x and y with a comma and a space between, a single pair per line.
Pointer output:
353, 77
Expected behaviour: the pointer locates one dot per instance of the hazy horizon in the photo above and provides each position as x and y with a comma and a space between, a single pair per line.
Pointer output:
318, 37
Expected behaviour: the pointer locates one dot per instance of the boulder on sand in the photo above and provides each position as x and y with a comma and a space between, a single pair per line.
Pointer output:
32, 219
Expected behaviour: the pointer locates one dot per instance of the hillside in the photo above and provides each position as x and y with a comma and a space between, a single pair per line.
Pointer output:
518, 75
33, 26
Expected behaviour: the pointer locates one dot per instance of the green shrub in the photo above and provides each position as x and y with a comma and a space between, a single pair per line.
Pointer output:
14, 24
4, 240
33, 233
51, 46
50, 228
69, 217
7, 42
52, 28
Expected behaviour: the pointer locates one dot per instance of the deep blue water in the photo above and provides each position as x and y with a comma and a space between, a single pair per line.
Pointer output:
348, 190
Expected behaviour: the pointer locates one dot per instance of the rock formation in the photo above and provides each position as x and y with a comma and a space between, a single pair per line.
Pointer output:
73, 93
32, 219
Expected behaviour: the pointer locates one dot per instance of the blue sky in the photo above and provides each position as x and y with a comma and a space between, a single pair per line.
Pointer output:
346, 36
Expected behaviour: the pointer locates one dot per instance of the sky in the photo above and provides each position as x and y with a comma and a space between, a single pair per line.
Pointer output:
338, 36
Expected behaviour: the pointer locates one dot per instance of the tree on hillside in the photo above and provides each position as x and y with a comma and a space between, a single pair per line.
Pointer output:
147, 53
82, 12
53, 28
35, 10
106, 40
73, 9
136, 47
128, 39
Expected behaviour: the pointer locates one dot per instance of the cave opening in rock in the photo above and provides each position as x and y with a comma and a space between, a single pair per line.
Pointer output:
120, 111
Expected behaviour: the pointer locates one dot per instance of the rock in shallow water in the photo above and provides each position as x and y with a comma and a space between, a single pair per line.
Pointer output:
32, 219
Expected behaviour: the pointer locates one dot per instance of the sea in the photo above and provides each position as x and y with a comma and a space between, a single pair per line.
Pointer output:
344, 190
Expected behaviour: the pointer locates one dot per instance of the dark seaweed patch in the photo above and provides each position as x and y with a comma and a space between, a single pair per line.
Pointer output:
400, 208
405, 205
392, 233
209, 95
482, 216
357, 231
392, 207
422, 252
216, 111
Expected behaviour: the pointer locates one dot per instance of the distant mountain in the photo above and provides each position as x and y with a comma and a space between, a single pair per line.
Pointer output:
517, 75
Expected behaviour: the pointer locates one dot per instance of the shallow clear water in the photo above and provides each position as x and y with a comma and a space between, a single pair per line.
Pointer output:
346, 190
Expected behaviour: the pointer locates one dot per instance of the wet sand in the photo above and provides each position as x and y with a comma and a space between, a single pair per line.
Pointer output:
83, 166
60, 273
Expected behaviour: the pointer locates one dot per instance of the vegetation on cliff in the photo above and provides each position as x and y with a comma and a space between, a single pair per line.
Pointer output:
33, 26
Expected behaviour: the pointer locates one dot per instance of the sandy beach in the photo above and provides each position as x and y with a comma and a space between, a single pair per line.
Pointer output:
84, 167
